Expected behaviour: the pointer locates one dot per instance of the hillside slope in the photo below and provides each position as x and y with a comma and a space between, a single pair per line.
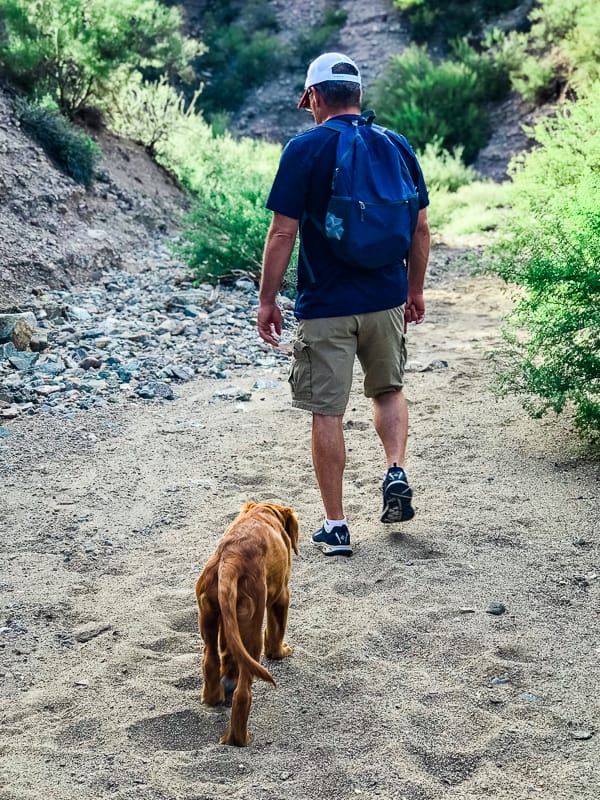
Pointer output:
55, 232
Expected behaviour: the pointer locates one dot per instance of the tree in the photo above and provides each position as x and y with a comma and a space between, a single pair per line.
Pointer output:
72, 51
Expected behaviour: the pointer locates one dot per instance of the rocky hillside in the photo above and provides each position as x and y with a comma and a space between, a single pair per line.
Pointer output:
55, 232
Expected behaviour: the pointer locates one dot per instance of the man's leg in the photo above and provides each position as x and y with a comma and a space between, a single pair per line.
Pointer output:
391, 423
390, 416
329, 460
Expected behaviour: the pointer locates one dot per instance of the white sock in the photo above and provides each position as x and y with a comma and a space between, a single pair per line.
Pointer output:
334, 523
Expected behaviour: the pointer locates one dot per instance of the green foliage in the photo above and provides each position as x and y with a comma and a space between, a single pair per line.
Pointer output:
450, 18
444, 170
446, 102
225, 232
72, 150
149, 112
70, 50
560, 49
242, 51
475, 208
552, 251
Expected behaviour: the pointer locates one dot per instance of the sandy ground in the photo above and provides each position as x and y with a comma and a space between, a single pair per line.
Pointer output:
401, 684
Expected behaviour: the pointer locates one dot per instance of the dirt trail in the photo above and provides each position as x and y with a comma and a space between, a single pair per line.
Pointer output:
401, 684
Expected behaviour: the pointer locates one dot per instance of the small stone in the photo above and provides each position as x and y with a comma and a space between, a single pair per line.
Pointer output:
39, 341
4, 432
90, 362
496, 609
581, 734
436, 364
153, 390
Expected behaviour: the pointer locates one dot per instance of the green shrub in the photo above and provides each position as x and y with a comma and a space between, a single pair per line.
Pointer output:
446, 102
149, 112
450, 18
552, 252
225, 231
70, 50
71, 149
242, 51
560, 50
444, 170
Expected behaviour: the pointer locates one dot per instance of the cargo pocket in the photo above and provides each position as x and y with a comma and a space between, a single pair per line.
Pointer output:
300, 376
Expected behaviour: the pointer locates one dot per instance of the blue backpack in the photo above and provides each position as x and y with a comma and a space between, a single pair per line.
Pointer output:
374, 204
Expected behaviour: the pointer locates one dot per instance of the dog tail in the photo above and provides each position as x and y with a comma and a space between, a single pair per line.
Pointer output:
228, 601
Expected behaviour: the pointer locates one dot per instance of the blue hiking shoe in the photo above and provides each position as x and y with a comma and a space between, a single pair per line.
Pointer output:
397, 496
335, 542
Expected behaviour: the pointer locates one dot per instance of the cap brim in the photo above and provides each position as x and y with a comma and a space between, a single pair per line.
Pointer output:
304, 101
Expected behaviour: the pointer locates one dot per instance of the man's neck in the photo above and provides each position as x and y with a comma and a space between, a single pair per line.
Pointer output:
338, 112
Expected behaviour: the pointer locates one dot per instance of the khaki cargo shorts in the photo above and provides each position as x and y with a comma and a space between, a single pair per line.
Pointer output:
324, 352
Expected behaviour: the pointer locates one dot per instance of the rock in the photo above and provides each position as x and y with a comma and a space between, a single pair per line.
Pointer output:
153, 390
23, 360
433, 365
17, 328
497, 609
88, 632
4, 432
39, 341
581, 734
90, 362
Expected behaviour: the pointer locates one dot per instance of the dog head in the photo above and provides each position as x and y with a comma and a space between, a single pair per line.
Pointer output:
286, 516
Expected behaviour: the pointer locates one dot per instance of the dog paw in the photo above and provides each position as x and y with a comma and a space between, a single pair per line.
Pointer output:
284, 650
215, 697
236, 741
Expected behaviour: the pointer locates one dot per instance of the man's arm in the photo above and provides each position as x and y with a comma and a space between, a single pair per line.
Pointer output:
418, 256
278, 250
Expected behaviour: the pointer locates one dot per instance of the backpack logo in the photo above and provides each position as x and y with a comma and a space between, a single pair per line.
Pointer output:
373, 208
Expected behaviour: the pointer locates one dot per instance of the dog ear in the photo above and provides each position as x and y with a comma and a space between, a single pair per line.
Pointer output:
291, 526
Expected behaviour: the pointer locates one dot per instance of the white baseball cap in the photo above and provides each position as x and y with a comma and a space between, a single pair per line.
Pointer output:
320, 70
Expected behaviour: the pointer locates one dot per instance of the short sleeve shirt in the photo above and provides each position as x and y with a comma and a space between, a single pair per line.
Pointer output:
301, 190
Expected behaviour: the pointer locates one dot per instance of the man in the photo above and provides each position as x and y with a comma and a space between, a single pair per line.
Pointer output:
343, 312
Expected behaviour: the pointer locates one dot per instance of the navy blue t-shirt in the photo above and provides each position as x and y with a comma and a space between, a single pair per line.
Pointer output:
302, 187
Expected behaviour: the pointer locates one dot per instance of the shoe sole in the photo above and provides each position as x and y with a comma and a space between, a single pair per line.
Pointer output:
334, 550
397, 508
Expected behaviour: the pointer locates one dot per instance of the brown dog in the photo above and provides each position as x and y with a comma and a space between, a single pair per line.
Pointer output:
248, 573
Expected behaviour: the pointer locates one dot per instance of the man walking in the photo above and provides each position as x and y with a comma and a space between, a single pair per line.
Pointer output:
343, 311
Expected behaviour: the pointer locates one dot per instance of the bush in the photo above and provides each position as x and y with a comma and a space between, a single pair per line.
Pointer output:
70, 50
150, 112
560, 51
552, 251
225, 232
450, 18
444, 170
71, 149
242, 51
446, 102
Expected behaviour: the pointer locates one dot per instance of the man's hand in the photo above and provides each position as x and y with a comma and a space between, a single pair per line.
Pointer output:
414, 310
269, 323
278, 249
